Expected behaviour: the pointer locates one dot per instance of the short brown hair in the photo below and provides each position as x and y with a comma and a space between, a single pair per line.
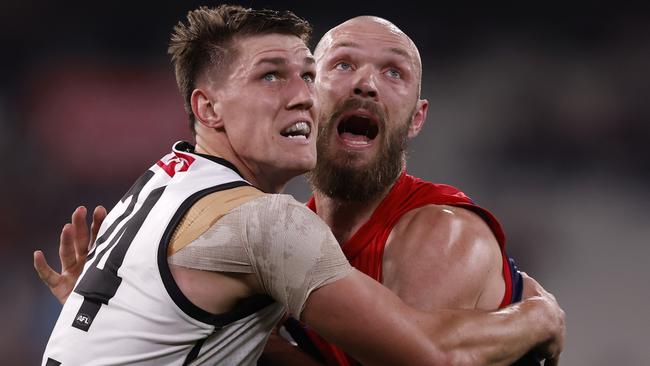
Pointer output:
206, 40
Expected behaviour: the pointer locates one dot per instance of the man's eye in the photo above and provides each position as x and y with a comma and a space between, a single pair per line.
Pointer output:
392, 73
344, 66
271, 76
308, 78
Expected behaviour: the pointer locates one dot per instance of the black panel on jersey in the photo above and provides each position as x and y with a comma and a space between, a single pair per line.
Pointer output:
52, 362
194, 353
241, 310
133, 191
86, 314
98, 286
101, 284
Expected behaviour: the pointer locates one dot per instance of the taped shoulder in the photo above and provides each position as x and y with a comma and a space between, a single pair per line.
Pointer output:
207, 211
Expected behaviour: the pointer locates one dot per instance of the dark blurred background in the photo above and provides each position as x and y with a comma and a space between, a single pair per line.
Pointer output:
538, 111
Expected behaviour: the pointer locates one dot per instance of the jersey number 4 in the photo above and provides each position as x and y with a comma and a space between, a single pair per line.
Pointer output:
99, 285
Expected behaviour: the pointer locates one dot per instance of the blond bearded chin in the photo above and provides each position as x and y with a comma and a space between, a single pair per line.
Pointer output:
337, 176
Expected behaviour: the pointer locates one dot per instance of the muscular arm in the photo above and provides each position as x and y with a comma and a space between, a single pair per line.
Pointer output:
376, 327
442, 257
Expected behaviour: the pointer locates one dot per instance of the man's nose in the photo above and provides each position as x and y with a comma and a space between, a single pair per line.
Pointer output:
366, 86
302, 96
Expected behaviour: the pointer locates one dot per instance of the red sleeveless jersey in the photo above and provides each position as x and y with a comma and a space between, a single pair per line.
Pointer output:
365, 249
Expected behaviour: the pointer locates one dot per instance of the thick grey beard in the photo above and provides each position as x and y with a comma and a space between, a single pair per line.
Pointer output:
336, 177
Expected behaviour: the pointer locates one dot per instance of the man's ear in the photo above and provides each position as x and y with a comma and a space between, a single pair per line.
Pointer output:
420, 115
205, 110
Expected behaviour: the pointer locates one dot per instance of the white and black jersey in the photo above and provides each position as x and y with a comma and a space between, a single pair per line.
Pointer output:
126, 308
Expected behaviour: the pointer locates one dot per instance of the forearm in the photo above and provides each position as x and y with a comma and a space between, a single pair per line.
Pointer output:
374, 326
492, 338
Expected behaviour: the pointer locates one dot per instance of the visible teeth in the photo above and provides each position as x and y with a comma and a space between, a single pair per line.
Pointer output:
297, 129
357, 142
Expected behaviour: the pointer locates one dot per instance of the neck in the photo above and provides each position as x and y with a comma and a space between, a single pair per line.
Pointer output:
273, 183
344, 217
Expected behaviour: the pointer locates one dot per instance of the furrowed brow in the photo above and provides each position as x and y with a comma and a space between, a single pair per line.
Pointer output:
277, 61
400, 51
345, 44
281, 61
396, 50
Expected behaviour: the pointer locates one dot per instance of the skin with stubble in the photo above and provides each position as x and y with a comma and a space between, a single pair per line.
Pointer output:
368, 84
254, 133
365, 75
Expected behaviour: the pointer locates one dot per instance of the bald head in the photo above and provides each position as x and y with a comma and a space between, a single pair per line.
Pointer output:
366, 27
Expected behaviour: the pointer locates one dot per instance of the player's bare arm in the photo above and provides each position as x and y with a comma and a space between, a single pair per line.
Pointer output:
375, 327
444, 257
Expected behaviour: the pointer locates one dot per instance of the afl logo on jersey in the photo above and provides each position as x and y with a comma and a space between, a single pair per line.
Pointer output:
177, 162
82, 321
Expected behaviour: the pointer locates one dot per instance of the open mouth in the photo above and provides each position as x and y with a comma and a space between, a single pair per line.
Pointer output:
358, 130
298, 130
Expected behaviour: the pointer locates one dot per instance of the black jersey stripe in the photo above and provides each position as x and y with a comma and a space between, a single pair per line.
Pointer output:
194, 353
52, 362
